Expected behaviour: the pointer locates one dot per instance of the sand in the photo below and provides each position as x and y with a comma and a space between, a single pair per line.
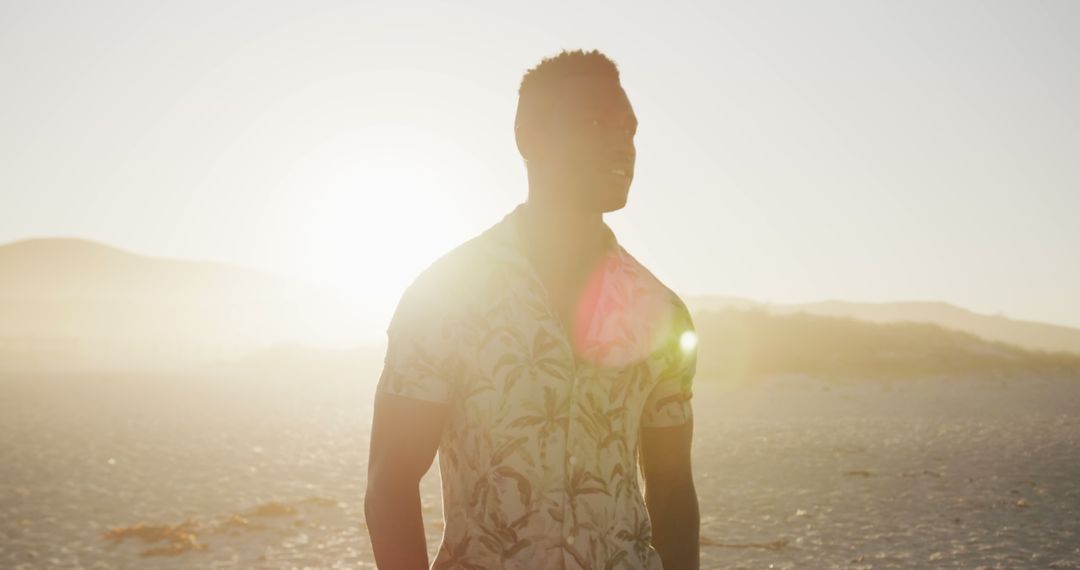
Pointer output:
209, 471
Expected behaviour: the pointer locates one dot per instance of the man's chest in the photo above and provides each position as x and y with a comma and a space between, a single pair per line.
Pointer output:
532, 342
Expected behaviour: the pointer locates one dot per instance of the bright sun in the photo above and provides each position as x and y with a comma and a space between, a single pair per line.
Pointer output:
372, 230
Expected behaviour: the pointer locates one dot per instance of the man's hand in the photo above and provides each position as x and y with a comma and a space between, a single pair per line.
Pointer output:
405, 434
670, 495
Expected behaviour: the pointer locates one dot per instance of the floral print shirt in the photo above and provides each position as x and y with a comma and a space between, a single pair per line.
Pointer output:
539, 455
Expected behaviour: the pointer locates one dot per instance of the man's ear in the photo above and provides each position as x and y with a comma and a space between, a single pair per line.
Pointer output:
526, 135
530, 143
525, 142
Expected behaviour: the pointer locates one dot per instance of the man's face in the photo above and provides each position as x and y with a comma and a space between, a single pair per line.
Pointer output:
587, 144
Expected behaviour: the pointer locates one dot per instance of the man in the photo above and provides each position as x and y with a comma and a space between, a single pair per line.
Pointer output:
543, 362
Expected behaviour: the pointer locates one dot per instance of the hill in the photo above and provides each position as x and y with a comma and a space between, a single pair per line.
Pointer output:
79, 304
79, 300
745, 344
1025, 334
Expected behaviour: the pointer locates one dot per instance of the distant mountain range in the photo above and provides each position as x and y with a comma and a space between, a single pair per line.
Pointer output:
75, 299
1024, 334
744, 344
81, 303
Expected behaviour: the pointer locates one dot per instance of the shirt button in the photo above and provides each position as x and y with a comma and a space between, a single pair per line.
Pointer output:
573, 460
570, 540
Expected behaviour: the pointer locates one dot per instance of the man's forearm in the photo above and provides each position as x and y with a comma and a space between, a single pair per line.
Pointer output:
396, 526
675, 528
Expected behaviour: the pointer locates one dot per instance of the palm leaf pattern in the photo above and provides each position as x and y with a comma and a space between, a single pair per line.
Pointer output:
539, 456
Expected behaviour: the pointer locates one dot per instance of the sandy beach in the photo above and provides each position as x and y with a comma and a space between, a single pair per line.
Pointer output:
225, 472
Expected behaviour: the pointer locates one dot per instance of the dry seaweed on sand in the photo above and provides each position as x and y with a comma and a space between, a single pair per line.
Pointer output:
235, 523
272, 509
180, 538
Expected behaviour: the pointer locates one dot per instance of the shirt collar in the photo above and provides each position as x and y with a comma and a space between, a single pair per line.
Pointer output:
508, 234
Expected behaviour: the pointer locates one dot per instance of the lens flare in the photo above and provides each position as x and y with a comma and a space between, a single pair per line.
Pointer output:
688, 341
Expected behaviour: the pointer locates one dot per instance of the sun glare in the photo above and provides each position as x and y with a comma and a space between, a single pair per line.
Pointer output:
380, 224
376, 226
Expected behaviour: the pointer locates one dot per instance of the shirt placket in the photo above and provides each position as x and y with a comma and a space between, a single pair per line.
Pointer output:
570, 460
577, 385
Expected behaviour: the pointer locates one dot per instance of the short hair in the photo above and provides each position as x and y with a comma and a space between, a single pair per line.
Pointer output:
535, 95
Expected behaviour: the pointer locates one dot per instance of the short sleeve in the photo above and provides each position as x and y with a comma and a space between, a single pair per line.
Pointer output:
668, 404
422, 361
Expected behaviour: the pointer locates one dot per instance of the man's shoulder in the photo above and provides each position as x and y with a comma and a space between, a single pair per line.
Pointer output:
652, 284
458, 273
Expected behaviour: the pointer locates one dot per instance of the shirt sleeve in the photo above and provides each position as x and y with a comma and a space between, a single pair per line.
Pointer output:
669, 402
422, 360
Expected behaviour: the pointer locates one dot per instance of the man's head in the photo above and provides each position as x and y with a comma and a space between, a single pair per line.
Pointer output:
575, 129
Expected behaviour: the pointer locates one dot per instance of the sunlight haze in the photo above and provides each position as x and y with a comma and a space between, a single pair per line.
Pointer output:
787, 152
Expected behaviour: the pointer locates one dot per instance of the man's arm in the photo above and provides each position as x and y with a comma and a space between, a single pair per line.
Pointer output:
405, 434
670, 495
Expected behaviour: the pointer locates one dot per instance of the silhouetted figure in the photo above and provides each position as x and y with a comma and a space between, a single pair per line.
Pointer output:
543, 362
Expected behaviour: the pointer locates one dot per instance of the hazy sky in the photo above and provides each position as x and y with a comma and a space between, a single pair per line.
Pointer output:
787, 151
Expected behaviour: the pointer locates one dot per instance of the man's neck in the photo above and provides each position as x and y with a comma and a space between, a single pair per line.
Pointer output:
565, 245
560, 231
556, 220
